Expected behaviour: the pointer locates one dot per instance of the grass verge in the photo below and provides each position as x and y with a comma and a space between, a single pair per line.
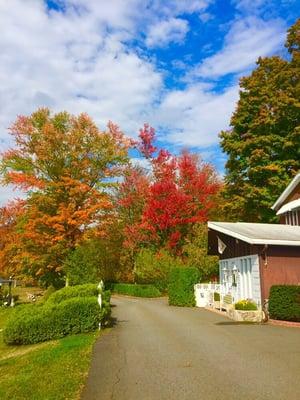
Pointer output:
54, 370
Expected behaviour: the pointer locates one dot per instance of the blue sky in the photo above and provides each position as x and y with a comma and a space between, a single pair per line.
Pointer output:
172, 63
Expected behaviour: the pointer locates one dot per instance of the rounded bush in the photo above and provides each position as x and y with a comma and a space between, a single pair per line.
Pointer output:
69, 292
284, 302
181, 286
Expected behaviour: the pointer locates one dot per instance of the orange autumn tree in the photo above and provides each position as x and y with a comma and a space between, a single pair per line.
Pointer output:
66, 165
10, 215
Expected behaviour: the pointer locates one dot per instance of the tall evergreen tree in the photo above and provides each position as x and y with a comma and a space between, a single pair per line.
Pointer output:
263, 144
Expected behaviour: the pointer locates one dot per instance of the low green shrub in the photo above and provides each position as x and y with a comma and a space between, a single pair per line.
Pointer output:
33, 324
135, 290
153, 268
284, 302
50, 290
69, 292
106, 308
181, 286
216, 296
245, 305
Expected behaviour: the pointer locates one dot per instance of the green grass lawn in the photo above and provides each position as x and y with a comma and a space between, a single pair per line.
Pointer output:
51, 370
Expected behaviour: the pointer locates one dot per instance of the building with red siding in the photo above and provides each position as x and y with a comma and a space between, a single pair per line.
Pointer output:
254, 256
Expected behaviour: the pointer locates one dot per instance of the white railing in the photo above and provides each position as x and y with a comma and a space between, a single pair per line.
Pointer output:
204, 293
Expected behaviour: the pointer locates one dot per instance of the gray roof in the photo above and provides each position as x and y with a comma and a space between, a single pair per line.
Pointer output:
253, 233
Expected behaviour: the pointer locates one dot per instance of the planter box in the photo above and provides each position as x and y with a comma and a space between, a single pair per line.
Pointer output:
246, 316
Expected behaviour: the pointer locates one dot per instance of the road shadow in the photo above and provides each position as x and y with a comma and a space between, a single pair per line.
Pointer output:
237, 323
113, 321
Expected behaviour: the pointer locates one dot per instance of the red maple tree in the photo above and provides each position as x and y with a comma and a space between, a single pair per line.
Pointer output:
179, 194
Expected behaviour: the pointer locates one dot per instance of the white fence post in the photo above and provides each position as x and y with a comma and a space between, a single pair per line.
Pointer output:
100, 287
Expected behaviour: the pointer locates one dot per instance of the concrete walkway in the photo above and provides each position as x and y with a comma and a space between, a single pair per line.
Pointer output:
157, 352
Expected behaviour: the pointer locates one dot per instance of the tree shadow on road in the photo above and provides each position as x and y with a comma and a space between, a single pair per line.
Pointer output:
237, 323
115, 321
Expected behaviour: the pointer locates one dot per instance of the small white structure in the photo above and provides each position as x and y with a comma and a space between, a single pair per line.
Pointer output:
204, 293
239, 279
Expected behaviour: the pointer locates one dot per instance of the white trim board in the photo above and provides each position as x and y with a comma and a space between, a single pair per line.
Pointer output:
291, 206
286, 192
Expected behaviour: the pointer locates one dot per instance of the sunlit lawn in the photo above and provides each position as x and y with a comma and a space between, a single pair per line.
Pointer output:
51, 370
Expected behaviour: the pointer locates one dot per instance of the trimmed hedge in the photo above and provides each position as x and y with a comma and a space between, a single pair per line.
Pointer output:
87, 290
181, 286
53, 321
67, 311
135, 290
284, 302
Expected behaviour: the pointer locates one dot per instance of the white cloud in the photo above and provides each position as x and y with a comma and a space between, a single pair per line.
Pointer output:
7, 193
165, 32
247, 40
142, 163
205, 17
82, 60
177, 7
251, 6
194, 116
68, 61
121, 14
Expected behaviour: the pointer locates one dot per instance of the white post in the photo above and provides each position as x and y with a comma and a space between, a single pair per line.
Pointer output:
100, 305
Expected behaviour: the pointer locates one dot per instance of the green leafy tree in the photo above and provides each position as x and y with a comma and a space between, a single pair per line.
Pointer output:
154, 267
195, 253
263, 144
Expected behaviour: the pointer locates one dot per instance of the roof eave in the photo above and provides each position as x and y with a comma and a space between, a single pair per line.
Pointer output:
286, 192
246, 239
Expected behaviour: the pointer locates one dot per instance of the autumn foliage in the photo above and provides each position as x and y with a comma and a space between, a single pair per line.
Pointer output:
88, 208
66, 166
10, 216
178, 193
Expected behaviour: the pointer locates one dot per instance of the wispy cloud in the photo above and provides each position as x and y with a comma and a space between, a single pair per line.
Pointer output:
68, 61
195, 115
165, 32
247, 39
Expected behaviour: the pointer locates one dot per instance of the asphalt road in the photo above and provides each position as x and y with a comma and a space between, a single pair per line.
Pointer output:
157, 352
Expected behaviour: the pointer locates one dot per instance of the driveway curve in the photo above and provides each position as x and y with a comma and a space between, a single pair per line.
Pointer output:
157, 352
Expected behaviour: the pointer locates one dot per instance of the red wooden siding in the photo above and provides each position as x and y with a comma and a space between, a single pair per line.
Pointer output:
279, 265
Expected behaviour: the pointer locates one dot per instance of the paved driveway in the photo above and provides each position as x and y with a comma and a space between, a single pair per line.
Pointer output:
157, 352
